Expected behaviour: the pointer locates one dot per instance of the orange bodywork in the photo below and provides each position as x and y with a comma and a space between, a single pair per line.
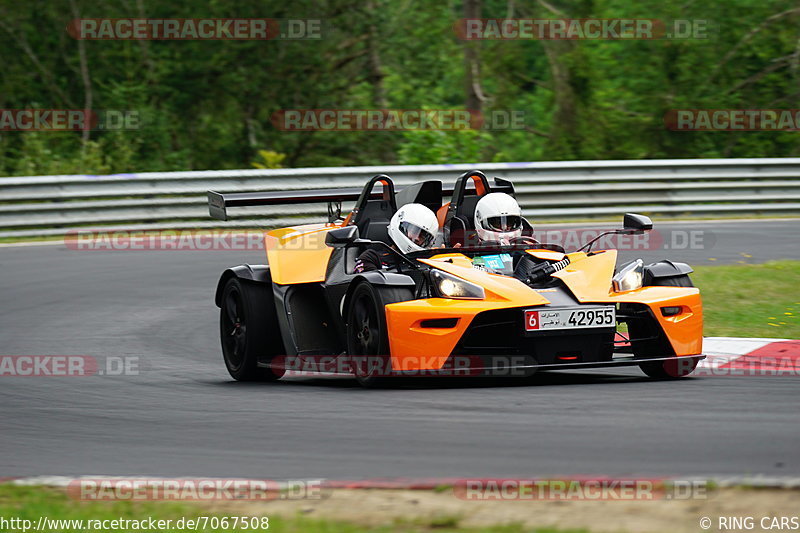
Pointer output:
298, 254
413, 346
587, 277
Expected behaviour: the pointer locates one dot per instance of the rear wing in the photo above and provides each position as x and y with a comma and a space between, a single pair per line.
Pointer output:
218, 203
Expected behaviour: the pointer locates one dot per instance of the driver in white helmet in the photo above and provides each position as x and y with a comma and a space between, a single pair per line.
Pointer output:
412, 228
498, 219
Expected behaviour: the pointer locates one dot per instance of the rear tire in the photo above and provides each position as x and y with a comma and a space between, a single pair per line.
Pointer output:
249, 330
367, 335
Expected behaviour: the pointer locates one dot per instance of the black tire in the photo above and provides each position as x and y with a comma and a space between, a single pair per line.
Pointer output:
677, 367
367, 335
249, 330
674, 368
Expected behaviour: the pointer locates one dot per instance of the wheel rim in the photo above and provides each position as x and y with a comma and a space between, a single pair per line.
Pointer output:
365, 327
234, 328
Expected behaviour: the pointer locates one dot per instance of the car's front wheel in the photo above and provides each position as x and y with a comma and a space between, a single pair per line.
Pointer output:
367, 334
249, 330
675, 281
677, 367
674, 368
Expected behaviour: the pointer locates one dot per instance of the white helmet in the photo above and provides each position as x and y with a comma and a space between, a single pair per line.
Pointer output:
413, 227
498, 218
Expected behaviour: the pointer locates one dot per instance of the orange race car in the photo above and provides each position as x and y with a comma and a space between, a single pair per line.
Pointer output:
463, 309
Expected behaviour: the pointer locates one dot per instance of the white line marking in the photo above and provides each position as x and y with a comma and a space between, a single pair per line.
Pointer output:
723, 350
31, 243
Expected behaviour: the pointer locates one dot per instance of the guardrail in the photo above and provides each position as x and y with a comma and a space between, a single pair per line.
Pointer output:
32, 206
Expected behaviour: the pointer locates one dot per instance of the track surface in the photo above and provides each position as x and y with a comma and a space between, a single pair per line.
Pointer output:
182, 415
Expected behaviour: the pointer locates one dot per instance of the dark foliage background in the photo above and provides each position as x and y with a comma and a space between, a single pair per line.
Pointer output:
207, 104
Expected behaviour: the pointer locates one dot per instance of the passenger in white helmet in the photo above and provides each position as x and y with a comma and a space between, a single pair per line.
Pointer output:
412, 228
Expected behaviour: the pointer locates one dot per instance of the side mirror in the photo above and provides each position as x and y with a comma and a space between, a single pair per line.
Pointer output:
634, 222
341, 237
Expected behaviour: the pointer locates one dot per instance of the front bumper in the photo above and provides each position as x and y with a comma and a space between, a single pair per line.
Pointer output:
433, 334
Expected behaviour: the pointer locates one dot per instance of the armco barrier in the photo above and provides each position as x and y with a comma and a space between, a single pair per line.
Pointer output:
52, 205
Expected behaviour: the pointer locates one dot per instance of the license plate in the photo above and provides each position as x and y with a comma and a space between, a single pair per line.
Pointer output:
569, 318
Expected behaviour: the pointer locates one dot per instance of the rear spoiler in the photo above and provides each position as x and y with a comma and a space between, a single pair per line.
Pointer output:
218, 203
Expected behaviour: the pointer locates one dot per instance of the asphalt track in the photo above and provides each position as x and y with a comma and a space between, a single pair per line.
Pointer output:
183, 416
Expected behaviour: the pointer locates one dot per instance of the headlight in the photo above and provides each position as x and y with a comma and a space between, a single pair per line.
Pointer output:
629, 276
450, 286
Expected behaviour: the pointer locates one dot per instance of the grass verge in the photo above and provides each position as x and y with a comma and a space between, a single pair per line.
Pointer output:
751, 300
32, 502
